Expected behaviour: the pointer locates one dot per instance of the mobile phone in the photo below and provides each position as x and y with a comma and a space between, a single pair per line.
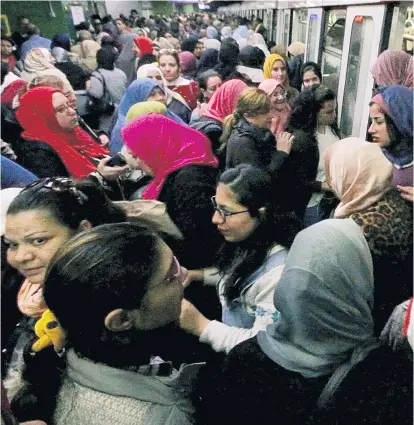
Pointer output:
117, 160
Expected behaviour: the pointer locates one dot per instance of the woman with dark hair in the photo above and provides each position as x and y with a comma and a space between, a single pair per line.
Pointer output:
251, 64
391, 113
52, 211
107, 82
250, 263
169, 63
320, 363
7, 53
311, 75
313, 123
228, 59
208, 83
125, 284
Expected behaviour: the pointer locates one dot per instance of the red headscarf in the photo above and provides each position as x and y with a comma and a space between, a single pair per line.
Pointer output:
144, 44
37, 117
166, 146
224, 100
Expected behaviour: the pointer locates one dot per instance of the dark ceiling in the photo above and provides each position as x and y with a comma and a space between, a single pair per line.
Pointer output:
215, 4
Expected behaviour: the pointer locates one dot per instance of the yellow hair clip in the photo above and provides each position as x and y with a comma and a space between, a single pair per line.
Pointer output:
49, 332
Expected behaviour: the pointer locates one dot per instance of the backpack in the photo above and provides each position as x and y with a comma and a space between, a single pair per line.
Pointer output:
103, 105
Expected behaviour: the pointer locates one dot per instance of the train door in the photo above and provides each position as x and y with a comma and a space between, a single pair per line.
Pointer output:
362, 41
313, 37
333, 40
299, 24
283, 27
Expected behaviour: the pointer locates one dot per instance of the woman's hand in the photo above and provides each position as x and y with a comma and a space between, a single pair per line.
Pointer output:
406, 193
191, 320
284, 142
104, 140
110, 173
193, 275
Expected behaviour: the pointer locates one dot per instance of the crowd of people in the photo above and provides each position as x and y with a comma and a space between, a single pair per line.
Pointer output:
187, 238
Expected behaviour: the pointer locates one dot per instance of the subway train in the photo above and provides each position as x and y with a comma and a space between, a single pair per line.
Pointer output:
345, 37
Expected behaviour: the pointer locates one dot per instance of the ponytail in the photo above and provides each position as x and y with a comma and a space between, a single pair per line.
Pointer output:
228, 125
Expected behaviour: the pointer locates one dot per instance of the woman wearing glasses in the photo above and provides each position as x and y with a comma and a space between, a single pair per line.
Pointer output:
280, 109
116, 291
39, 220
52, 142
170, 67
257, 237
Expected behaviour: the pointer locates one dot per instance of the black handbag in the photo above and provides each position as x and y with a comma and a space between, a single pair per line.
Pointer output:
103, 105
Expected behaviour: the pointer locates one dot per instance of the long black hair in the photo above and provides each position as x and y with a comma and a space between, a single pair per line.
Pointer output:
307, 106
68, 202
255, 190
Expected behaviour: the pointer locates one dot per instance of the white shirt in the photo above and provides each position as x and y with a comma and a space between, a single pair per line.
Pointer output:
324, 142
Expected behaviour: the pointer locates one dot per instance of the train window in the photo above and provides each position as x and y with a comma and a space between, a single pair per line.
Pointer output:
359, 51
402, 28
312, 32
300, 21
332, 49
286, 28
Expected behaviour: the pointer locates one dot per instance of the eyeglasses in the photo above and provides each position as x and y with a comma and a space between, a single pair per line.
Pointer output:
222, 213
64, 108
60, 185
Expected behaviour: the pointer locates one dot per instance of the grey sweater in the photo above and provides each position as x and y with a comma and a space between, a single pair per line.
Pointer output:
116, 84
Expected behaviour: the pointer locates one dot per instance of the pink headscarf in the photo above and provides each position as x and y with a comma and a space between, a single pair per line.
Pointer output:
393, 67
188, 62
358, 173
224, 100
166, 146
280, 116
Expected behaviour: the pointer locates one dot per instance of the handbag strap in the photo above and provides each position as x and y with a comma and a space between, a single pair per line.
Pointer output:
102, 81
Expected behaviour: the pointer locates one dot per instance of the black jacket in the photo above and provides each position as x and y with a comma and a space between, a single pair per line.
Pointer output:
254, 146
187, 195
213, 129
39, 158
249, 388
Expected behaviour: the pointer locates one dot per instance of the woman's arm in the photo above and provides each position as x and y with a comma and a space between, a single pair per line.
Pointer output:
222, 337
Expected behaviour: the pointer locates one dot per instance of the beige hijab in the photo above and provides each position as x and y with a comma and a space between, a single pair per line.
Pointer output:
358, 173
89, 50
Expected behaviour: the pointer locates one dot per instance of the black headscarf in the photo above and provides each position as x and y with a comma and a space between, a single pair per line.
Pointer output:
208, 60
